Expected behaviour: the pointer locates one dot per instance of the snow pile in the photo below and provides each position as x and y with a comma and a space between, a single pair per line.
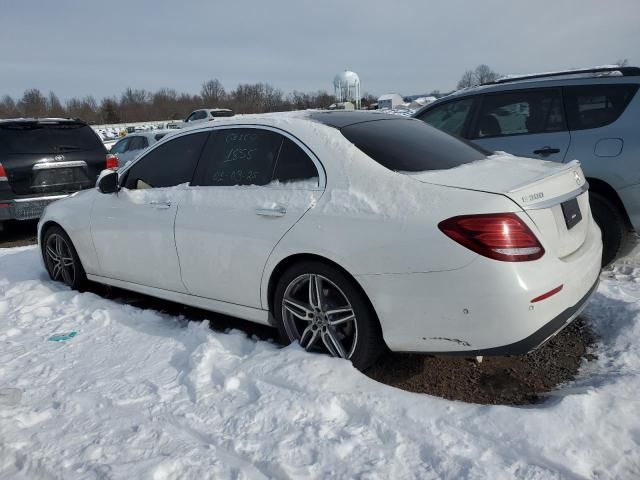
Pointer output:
139, 394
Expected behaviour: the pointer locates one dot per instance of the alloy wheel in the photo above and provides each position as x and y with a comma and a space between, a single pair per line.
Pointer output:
319, 316
59, 259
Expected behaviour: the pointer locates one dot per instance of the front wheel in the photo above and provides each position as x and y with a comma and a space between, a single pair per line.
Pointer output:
61, 258
322, 309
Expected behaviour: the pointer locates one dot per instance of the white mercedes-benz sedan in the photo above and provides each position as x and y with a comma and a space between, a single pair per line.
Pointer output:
347, 231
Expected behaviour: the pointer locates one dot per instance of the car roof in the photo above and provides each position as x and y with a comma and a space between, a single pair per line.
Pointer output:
43, 120
342, 118
601, 75
152, 133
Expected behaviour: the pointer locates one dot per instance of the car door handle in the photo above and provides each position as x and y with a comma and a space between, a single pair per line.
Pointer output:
544, 151
277, 211
161, 205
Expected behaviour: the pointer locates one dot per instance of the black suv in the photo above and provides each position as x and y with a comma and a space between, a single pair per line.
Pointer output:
44, 159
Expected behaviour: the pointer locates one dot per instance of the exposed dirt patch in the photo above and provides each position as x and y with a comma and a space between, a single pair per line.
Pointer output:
513, 380
497, 380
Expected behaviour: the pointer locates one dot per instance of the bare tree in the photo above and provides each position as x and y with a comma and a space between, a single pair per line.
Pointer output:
109, 110
484, 74
622, 63
54, 107
212, 93
468, 80
8, 108
33, 104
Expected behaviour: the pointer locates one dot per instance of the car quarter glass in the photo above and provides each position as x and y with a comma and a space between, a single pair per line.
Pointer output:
170, 164
595, 106
294, 165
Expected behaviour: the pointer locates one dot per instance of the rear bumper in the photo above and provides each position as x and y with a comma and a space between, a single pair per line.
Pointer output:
484, 308
538, 338
26, 208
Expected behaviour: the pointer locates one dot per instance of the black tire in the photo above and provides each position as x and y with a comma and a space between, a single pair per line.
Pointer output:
78, 279
368, 343
612, 223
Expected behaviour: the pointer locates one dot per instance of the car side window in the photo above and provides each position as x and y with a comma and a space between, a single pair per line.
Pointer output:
294, 165
519, 113
238, 156
594, 106
121, 146
449, 117
172, 163
138, 143
198, 115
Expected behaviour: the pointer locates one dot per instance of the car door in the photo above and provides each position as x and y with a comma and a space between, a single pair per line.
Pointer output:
132, 230
254, 184
528, 123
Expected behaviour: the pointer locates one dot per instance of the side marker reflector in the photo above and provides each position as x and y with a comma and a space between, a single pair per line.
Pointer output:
550, 293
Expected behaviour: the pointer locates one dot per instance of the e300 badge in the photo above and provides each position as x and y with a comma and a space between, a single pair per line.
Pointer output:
532, 197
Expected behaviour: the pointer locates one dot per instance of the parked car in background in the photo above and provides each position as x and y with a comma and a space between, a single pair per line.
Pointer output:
127, 148
45, 159
208, 114
592, 115
346, 230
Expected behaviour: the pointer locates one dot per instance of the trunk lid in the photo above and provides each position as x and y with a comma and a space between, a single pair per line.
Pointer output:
553, 195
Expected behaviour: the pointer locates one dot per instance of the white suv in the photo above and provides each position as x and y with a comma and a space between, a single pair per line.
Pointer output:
591, 115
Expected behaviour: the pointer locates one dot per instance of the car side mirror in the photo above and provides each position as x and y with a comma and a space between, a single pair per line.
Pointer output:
108, 182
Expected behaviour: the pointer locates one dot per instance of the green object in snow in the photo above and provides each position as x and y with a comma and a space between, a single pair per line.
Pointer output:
61, 337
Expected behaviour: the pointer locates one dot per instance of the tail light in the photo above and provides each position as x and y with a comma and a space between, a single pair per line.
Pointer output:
501, 236
112, 161
3, 174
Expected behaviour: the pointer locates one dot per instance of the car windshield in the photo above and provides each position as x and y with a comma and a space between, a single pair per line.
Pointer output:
409, 145
33, 137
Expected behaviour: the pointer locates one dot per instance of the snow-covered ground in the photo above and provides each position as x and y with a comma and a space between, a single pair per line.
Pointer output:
138, 394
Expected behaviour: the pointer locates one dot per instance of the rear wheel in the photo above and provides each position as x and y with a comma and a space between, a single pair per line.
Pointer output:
321, 308
61, 258
615, 231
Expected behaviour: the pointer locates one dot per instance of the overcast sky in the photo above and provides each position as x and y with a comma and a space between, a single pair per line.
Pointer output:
99, 48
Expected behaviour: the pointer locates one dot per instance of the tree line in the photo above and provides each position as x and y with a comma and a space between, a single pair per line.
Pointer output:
139, 105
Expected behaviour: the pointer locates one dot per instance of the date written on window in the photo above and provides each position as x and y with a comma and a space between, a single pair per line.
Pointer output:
238, 176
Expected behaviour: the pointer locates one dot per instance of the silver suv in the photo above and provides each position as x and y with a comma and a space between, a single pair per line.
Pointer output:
592, 115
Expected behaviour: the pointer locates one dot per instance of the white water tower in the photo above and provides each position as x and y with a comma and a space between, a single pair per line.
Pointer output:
346, 87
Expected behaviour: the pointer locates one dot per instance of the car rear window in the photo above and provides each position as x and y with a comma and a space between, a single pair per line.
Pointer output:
410, 145
221, 113
34, 137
